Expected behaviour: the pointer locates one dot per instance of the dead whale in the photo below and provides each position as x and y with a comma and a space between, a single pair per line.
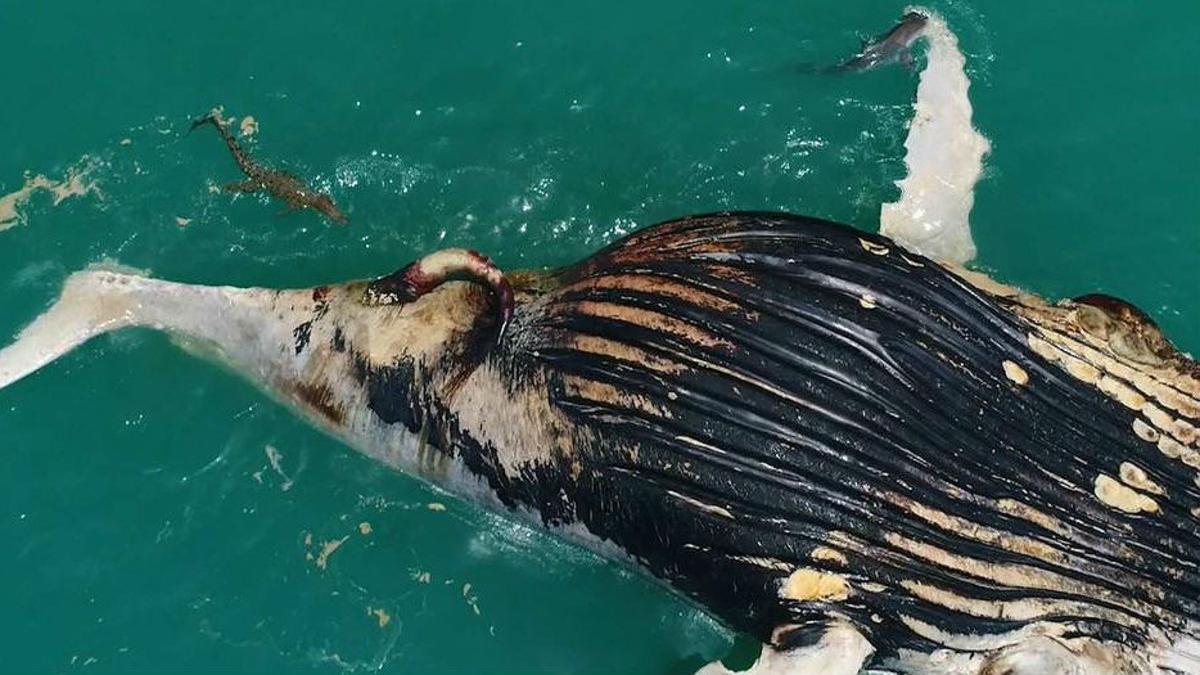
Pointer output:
860, 456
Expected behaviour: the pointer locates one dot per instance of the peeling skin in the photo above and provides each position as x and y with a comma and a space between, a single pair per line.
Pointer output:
702, 506
605, 347
524, 433
872, 247
1119, 496
965, 527
652, 319
765, 563
663, 286
810, 585
1021, 609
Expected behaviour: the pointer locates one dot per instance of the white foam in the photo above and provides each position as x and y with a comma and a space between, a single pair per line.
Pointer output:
944, 157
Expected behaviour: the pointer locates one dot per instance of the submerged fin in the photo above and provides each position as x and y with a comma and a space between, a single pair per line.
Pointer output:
90, 304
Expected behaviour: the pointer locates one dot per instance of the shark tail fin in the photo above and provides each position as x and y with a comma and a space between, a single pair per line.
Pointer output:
93, 301
211, 117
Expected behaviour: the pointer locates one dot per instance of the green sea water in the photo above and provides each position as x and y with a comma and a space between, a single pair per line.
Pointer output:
145, 525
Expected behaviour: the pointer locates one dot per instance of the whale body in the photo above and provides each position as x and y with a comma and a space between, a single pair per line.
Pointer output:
857, 455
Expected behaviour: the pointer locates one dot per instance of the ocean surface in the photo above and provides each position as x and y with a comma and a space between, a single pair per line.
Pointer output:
161, 514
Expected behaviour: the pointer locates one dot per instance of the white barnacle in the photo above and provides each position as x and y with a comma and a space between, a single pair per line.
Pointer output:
1112, 493
872, 247
1134, 476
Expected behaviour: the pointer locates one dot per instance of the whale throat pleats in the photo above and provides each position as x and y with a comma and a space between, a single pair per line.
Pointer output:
817, 414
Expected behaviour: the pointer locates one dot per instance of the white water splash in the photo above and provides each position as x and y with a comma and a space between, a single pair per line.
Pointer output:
944, 158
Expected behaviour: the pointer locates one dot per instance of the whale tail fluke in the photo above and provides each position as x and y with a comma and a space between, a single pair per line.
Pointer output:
91, 303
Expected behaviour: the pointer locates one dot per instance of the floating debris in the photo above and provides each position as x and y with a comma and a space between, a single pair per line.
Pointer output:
77, 183
472, 600
327, 549
436, 506
364, 528
276, 460
248, 127
381, 616
182, 222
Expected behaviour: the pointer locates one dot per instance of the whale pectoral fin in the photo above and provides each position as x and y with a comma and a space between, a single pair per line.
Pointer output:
839, 649
943, 158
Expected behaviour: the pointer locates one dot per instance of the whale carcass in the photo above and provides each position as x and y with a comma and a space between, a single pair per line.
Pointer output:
840, 447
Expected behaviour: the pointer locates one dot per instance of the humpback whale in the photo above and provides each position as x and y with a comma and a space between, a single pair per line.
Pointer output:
868, 460
858, 455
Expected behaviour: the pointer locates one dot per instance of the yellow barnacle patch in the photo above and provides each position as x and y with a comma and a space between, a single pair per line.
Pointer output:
1118, 496
810, 585
1145, 431
1015, 373
1124, 394
1134, 476
826, 554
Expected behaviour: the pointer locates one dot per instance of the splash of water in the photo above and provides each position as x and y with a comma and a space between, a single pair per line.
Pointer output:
944, 157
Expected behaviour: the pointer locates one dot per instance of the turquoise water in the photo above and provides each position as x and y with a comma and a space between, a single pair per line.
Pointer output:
146, 527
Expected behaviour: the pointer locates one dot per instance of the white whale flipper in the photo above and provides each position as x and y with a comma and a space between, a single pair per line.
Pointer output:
944, 156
